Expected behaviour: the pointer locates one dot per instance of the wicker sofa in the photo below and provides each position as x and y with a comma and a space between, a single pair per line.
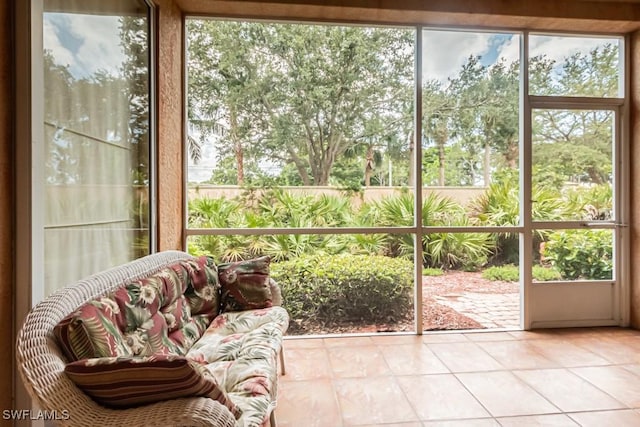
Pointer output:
166, 310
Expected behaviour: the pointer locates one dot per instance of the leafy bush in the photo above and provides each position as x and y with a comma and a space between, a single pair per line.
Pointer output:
500, 206
511, 273
427, 271
545, 274
282, 209
334, 288
507, 273
581, 254
590, 203
440, 250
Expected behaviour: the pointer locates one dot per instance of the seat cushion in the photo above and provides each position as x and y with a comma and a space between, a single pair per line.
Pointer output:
125, 382
240, 350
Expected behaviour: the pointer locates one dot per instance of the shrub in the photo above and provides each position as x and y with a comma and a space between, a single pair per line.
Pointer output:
334, 288
440, 250
545, 274
507, 273
581, 254
500, 205
511, 273
428, 271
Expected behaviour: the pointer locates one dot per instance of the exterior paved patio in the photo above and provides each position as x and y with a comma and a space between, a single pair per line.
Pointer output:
568, 377
492, 311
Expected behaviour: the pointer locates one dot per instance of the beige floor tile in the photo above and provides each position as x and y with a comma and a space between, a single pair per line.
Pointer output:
618, 382
478, 422
464, 357
412, 359
396, 339
503, 394
517, 355
489, 336
404, 378
538, 334
438, 337
358, 361
347, 341
308, 403
567, 354
621, 418
373, 401
633, 368
615, 350
306, 364
303, 343
553, 420
440, 397
416, 424
568, 391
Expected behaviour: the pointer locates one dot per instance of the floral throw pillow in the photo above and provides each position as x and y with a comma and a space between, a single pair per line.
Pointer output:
126, 382
246, 284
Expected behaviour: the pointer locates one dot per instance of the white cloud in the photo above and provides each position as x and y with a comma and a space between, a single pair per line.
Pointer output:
86, 43
62, 55
444, 52
510, 51
560, 47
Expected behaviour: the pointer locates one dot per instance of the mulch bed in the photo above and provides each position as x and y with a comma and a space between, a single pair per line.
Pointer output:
435, 315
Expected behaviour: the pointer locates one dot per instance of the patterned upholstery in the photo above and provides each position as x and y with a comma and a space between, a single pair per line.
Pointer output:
164, 313
126, 382
240, 350
154, 308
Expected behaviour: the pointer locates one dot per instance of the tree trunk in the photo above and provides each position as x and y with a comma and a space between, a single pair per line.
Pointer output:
487, 164
511, 156
412, 161
368, 168
237, 146
441, 164
300, 166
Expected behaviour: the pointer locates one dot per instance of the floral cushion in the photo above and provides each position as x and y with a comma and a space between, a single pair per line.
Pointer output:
90, 331
164, 313
203, 288
240, 349
125, 382
246, 284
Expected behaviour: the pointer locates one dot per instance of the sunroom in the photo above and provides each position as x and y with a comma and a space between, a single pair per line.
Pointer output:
431, 181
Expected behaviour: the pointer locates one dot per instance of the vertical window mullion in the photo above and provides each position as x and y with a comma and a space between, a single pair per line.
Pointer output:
418, 183
526, 235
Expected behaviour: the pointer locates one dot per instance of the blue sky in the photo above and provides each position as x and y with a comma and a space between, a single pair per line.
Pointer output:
86, 43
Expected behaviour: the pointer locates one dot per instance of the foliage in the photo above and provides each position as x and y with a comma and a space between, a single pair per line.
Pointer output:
581, 254
545, 274
441, 250
590, 203
427, 271
511, 273
293, 94
507, 273
327, 288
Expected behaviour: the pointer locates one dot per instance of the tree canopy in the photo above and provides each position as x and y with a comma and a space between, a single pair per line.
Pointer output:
301, 104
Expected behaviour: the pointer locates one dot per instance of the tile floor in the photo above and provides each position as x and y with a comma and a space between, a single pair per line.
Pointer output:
568, 377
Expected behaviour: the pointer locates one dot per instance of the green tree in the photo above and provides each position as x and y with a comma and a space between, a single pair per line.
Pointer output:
300, 95
576, 145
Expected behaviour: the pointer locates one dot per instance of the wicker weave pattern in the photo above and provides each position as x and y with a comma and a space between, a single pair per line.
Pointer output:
41, 363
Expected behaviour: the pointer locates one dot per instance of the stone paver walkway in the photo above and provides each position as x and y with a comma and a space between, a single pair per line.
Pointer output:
490, 310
